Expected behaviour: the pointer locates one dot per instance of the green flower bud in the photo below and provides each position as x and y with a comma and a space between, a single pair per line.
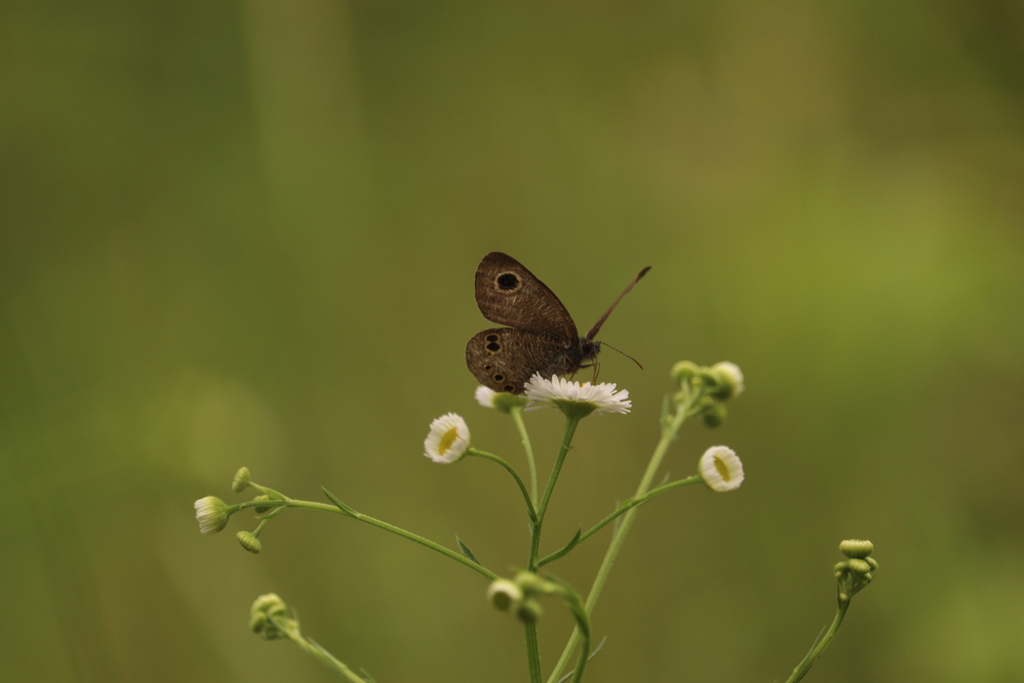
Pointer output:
260, 509
714, 412
684, 371
265, 609
856, 549
728, 378
269, 603
257, 621
533, 584
249, 541
858, 566
529, 611
212, 514
241, 480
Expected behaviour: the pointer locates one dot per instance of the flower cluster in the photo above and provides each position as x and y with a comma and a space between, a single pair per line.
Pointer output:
854, 573
704, 390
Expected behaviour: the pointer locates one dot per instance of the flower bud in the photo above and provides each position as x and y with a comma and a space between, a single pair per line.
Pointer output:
683, 371
269, 603
505, 595
529, 611
721, 469
262, 616
212, 514
858, 566
249, 541
729, 380
714, 412
503, 402
856, 549
241, 480
533, 584
448, 439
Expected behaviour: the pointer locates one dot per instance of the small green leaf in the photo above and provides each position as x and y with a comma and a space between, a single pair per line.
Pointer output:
467, 552
575, 539
564, 550
593, 653
341, 506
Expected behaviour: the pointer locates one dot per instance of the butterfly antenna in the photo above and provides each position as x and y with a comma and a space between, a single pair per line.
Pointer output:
624, 354
597, 325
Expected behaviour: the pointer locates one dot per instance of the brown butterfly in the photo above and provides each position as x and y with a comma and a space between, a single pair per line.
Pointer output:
542, 335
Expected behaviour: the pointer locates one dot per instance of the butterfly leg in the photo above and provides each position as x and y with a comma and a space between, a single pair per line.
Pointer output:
597, 369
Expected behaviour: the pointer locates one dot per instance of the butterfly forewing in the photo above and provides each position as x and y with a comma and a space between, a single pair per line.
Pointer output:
509, 294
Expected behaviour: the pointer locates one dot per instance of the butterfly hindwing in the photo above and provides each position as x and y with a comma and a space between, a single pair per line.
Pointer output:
504, 358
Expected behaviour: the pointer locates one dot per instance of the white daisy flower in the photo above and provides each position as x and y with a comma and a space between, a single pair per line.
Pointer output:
448, 439
601, 398
721, 469
212, 514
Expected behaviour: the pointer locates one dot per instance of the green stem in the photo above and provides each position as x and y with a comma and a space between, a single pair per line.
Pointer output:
668, 435
583, 628
522, 487
517, 417
532, 646
325, 657
349, 512
622, 509
570, 429
533, 652
803, 667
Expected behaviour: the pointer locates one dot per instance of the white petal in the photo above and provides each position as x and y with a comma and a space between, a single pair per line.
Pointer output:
602, 396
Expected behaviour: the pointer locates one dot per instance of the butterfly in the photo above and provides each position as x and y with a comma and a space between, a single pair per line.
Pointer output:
541, 336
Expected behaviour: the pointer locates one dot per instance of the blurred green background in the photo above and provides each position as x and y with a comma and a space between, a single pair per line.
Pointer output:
245, 234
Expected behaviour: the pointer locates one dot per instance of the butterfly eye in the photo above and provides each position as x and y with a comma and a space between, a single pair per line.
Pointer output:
508, 282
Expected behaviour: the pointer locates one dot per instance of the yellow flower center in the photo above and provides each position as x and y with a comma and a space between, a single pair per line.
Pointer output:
723, 469
447, 440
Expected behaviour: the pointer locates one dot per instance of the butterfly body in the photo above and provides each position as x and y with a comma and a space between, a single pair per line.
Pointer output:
541, 336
